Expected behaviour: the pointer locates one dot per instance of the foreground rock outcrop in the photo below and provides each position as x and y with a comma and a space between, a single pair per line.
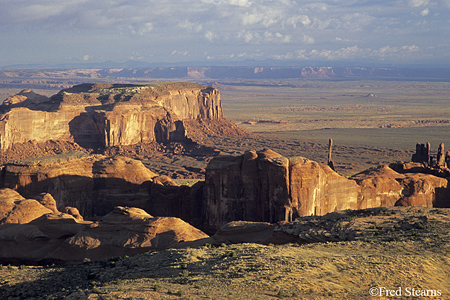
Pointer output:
62, 238
103, 114
378, 224
409, 246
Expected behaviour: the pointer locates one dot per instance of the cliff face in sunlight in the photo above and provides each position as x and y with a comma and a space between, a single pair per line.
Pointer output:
103, 114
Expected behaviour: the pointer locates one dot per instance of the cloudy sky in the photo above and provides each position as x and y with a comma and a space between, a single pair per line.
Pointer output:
70, 31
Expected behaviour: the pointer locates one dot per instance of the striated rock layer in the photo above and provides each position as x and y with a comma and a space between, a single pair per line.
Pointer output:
94, 184
267, 187
258, 186
104, 115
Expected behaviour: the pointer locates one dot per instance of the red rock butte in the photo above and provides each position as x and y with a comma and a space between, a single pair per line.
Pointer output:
106, 114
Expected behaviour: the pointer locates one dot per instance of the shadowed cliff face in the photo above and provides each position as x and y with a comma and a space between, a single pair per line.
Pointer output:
267, 187
258, 186
103, 114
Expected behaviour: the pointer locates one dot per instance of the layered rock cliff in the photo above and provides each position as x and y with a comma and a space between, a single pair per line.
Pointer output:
261, 186
103, 114
267, 187
94, 184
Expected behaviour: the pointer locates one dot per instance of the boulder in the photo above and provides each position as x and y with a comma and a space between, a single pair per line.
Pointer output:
15, 209
47, 200
244, 232
74, 212
164, 180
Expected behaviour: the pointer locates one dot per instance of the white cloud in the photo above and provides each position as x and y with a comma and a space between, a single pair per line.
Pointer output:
355, 52
308, 39
248, 36
417, 3
209, 35
425, 12
190, 26
145, 28
243, 3
412, 48
219, 27
180, 53
302, 19
249, 19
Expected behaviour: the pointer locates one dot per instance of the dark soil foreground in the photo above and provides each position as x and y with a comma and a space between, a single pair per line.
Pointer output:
402, 252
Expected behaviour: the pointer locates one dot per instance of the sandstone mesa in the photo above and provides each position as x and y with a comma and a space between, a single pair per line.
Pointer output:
102, 115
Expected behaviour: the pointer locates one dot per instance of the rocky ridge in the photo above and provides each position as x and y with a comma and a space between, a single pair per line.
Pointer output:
34, 234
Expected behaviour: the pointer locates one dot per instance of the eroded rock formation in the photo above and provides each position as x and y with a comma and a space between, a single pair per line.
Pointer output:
61, 238
258, 186
384, 187
103, 115
15, 209
94, 184
267, 187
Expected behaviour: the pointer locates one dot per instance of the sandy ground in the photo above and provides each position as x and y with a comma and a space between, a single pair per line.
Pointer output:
397, 250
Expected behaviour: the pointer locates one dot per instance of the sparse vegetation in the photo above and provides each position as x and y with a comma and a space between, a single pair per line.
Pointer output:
327, 270
184, 274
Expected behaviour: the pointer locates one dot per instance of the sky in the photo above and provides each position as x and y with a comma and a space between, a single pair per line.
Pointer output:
390, 32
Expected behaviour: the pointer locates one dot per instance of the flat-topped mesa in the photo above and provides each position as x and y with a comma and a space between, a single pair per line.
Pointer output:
104, 114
